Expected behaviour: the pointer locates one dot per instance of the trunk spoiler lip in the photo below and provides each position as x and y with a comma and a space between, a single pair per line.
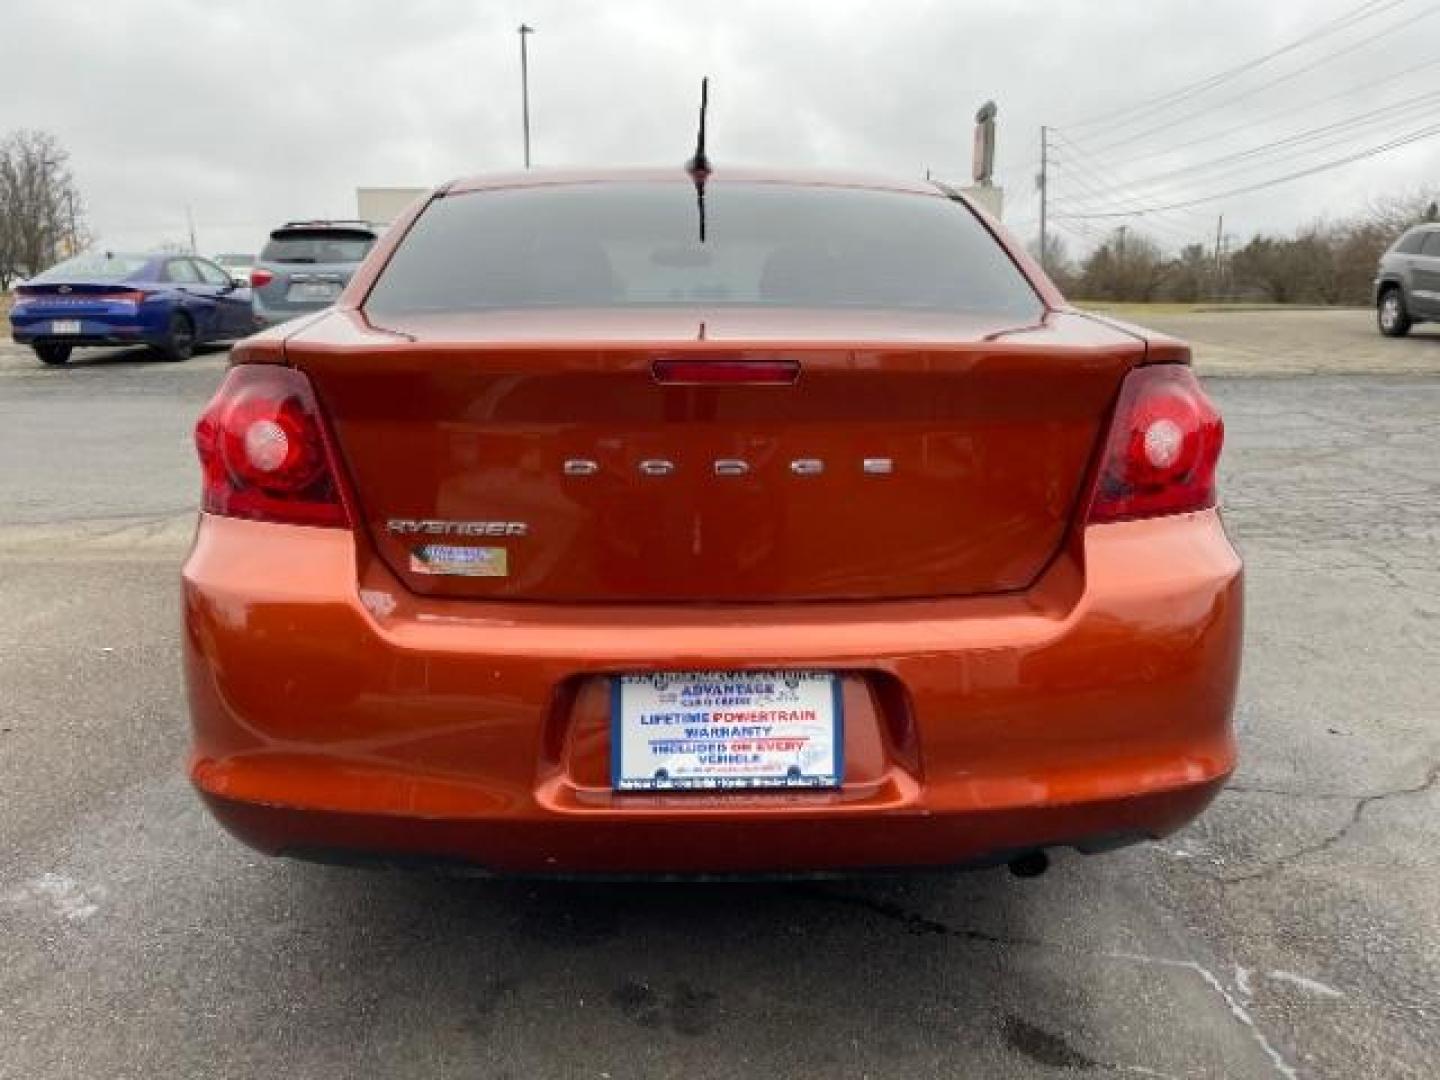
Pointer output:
275, 345
702, 342
1159, 348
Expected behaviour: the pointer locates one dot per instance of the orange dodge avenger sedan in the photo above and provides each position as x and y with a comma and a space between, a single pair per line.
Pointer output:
653, 523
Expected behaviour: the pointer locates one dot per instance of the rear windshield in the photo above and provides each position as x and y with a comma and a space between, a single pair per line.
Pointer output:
317, 246
1410, 243
638, 244
94, 266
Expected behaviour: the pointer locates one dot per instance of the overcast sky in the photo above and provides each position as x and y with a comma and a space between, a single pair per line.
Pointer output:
251, 112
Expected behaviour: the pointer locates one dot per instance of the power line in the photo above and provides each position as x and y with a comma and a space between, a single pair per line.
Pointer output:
1367, 10
1348, 92
1273, 145
1085, 234
1321, 61
1393, 144
1082, 161
1112, 185
1175, 232
1276, 150
1229, 175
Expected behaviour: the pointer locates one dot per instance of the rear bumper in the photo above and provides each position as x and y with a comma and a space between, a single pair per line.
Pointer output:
335, 712
710, 846
114, 330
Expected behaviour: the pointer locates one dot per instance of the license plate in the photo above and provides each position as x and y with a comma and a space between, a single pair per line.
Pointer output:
65, 326
313, 290
725, 730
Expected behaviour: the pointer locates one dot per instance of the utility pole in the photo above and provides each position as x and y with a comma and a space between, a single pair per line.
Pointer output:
47, 168
1219, 232
1043, 182
525, 31
74, 228
190, 220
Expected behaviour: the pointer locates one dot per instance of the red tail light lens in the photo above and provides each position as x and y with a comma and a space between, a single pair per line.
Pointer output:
124, 296
1163, 447
260, 278
263, 451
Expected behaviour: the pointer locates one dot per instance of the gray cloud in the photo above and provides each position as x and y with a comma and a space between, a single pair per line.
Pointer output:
251, 113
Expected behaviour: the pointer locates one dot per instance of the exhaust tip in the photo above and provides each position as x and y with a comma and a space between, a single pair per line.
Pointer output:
1030, 865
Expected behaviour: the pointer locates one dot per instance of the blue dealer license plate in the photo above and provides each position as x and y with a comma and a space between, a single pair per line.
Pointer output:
726, 730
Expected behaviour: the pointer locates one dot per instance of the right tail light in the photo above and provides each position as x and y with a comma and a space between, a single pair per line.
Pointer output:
263, 451
1162, 450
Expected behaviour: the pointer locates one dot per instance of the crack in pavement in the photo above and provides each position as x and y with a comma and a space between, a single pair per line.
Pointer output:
916, 923
1362, 803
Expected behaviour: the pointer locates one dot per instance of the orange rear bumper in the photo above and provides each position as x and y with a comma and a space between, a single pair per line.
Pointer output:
334, 712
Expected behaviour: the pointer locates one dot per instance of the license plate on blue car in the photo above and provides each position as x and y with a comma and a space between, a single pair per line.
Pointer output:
65, 326
726, 730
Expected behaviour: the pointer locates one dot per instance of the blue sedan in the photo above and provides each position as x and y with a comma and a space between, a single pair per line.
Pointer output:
169, 302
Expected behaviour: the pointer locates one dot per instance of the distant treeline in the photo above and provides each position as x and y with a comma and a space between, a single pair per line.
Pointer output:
1328, 262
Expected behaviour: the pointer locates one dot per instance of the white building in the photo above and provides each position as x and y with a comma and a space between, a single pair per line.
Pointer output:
383, 205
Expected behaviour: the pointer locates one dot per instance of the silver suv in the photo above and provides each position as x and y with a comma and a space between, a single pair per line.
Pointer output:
1407, 285
305, 265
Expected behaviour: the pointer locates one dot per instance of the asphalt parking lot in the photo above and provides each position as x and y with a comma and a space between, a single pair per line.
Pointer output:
1293, 931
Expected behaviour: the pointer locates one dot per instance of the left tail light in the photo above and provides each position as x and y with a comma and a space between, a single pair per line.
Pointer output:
264, 453
1163, 447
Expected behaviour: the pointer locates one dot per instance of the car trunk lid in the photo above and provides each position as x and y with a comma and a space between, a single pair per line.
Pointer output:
76, 296
538, 457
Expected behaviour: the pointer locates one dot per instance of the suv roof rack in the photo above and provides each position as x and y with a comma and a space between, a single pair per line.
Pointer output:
313, 222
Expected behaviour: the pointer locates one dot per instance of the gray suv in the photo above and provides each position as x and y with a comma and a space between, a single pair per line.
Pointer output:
1407, 285
305, 265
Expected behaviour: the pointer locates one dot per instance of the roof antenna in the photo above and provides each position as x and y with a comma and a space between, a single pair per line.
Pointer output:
699, 166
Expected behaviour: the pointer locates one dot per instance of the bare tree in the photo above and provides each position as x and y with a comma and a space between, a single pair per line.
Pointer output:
1394, 214
1192, 274
1316, 253
1056, 260
1127, 266
1274, 266
41, 214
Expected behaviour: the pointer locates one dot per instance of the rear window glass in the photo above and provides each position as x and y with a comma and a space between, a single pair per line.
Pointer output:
317, 246
95, 266
1432, 243
638, 245
1411, 243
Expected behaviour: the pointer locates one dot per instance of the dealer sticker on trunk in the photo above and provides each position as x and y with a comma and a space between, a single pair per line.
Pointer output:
726, 730
458, 561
